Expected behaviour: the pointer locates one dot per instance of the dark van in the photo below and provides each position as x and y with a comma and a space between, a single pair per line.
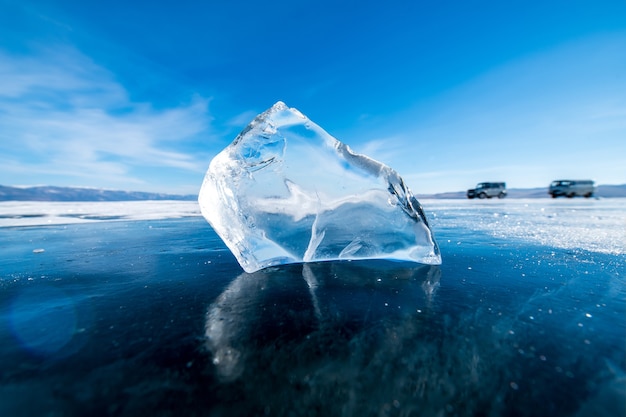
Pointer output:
572, 188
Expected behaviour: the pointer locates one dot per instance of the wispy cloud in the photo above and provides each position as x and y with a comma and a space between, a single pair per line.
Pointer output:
242, 119
62, 114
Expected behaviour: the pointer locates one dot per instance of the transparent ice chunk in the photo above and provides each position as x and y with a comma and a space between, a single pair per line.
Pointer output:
285, 191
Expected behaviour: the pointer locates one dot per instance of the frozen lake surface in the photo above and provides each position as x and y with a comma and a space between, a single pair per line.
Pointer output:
126, 309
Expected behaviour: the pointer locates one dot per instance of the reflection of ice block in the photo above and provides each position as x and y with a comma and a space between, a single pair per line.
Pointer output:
325, 308
286, 191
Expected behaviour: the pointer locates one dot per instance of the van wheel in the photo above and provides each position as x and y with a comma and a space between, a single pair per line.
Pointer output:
588, 195
501, 195
482, 196
571, 195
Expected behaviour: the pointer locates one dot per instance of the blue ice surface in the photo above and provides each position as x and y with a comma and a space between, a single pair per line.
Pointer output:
157, 318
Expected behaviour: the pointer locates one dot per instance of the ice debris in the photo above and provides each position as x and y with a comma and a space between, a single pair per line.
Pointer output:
285, 191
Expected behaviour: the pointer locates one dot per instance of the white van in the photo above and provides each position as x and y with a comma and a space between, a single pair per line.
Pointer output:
571, 188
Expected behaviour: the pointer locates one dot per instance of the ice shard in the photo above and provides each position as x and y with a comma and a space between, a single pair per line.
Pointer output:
286, 191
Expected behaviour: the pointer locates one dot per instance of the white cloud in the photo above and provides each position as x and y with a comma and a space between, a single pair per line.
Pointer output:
55, 72
383, 149
242, 119
61, 114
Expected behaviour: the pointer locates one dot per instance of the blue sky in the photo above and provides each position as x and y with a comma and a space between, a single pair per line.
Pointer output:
141, 95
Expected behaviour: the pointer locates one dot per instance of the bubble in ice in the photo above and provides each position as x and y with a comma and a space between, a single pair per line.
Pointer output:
285, 191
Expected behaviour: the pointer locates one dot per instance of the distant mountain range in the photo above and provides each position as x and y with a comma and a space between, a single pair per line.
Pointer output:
51, 193
604, 191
